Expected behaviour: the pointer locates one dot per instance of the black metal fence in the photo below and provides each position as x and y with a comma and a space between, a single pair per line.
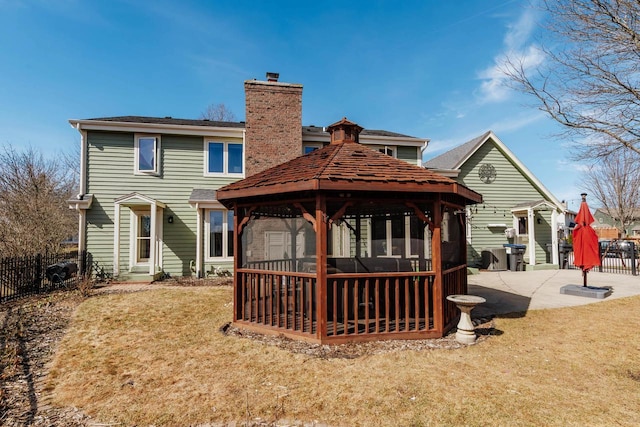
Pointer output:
23, 276
618, 256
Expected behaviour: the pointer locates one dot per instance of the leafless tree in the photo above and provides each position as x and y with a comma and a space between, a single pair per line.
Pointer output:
590, 79
218, 113
615, 183
34, 215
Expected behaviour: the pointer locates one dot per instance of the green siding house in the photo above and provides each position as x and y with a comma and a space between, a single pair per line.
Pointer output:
147, 202
606, 218
517, 207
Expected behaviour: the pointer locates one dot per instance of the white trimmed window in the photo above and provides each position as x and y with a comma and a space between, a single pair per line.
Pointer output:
147, 155
218, 228
385, 149
223, 158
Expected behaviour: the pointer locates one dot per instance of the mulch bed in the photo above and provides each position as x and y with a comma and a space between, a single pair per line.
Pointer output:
484, 328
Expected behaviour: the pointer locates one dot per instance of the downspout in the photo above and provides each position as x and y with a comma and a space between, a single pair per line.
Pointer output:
199, 242
422, 150
82, 214
83, 159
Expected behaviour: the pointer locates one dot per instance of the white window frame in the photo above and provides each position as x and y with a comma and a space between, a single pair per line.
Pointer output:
156, 154
407, 239
517, 225
285, 238
225, 236
340, 241
384, 148
225, 158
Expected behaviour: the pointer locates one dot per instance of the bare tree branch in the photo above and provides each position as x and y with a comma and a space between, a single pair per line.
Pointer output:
615, 183
590, 82
34, 215
218, 113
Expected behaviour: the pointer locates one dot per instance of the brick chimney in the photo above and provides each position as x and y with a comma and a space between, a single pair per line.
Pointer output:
273, 123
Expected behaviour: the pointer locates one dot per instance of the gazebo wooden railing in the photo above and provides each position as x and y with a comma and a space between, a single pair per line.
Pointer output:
368, 306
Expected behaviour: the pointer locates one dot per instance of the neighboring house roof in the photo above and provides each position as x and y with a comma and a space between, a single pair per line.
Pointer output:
613, 213
365, 132
456, 157
345, 166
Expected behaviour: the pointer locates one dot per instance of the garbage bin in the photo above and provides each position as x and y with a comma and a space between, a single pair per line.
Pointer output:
564, 248
515, 254
61, 271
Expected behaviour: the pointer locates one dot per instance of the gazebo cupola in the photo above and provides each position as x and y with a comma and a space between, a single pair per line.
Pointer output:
348, 244
344, 131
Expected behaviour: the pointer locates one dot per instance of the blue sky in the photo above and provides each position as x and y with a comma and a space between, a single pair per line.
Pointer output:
423, 68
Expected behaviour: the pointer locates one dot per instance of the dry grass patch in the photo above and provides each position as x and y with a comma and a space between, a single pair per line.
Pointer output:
158, 358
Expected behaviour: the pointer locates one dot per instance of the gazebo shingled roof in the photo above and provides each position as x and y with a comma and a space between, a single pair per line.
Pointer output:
345, 166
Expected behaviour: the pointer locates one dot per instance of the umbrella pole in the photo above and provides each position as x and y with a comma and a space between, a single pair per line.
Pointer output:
584, 278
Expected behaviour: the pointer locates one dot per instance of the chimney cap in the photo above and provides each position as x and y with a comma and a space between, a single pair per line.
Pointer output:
272, 77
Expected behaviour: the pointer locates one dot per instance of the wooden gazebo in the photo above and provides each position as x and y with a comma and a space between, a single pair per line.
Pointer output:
348, 244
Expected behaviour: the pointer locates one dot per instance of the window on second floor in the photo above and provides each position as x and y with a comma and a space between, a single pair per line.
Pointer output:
224, 158
311, 147
385, 149
147, 155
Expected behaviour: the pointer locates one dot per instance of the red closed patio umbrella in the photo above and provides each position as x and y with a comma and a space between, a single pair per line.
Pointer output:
585, 241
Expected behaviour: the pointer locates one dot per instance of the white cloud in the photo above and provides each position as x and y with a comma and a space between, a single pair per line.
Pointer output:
518, 50
564, 165
511, 123
519, 33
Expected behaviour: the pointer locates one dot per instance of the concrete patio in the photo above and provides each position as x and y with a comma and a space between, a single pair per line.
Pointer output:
520, 291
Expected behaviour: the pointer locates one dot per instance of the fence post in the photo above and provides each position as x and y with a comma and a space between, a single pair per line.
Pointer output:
39, 272
602, 258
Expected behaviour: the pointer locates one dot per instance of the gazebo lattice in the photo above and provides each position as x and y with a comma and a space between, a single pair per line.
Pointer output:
348, 244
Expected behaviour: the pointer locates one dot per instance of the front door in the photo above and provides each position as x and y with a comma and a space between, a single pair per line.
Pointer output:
142, 240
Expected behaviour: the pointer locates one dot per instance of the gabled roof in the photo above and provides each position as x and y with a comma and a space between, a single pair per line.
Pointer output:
535, 205
613, 213
345, 166
135, 199
456, 157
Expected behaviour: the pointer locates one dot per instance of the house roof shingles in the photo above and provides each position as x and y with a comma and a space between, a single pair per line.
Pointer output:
453, 158
168, 121
344, 166
212, 123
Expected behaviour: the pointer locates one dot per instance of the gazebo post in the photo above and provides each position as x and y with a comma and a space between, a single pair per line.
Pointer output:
436, 247
321, 266
237, 253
